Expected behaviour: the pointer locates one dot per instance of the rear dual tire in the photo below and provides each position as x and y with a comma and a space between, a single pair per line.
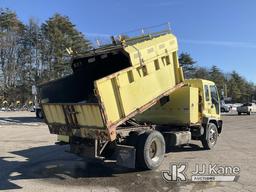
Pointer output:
150, 150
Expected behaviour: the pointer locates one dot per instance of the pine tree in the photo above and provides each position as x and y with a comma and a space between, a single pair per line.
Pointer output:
60, 34
187, 63
217, 76
201, 73
237, 88
30, 57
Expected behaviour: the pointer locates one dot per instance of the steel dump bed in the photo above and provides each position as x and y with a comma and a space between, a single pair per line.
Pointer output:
111, 85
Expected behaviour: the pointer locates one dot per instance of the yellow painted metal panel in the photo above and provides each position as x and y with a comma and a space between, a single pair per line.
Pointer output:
194, 105
132, 95
87, 115
160, 45
54, 114
146, 88
181, 109
108, 95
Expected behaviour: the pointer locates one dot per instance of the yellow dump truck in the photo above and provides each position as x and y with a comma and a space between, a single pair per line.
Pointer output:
128, 100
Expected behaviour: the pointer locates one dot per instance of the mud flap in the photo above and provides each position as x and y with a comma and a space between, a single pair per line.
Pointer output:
125, 156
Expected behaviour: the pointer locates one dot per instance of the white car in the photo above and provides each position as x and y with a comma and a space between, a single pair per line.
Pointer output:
247, 108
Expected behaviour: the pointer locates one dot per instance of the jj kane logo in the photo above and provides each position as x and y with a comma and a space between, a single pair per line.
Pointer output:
201, 172
176, 172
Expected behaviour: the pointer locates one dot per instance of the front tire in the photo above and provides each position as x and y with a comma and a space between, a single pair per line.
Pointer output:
210, 136
150, 150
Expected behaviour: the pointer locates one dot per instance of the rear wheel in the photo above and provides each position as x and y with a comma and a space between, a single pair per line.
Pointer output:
249, 113
150, 150
209, 139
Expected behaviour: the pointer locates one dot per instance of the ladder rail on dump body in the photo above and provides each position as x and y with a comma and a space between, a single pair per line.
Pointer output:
118, 44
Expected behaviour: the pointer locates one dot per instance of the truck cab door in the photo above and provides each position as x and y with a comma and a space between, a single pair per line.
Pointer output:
215, 101
207, 100
212, 103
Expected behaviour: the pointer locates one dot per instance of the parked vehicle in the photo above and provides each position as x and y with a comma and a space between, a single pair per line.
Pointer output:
225, 108
247, 108
38, 111
128, 101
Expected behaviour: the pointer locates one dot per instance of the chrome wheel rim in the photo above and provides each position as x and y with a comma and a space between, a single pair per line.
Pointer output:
213, 136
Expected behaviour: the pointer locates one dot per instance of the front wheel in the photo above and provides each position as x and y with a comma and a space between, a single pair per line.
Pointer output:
210, 136
150, 150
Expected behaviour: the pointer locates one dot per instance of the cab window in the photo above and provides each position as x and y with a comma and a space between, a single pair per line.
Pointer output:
206, 92
214, 93
215, 98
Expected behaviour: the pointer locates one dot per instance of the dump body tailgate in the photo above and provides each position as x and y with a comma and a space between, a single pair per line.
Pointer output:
65, 117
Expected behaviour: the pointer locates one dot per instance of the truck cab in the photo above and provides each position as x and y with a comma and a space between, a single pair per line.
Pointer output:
209, 101
209, 106
193, 107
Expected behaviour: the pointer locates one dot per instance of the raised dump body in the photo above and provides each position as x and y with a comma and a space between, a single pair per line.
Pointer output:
110, 85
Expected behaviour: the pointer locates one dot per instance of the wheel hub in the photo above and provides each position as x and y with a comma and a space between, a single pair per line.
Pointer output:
152, 150
213, 136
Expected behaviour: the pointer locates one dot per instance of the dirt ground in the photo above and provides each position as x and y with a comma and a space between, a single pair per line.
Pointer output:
30, 161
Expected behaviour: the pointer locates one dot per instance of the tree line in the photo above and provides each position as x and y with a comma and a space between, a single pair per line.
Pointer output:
232, 86
33, 53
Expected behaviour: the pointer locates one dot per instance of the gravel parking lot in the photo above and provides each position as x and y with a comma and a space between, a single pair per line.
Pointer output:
30, 161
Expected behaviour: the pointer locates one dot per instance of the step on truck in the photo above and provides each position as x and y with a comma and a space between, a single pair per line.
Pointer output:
128, 101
